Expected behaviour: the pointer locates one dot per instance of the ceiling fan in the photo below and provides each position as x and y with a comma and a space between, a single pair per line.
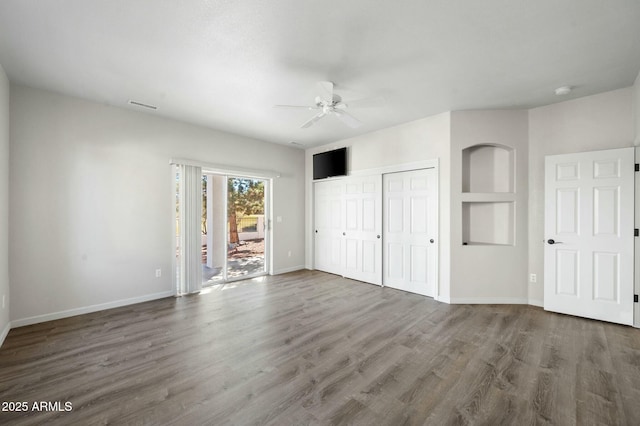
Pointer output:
327, 103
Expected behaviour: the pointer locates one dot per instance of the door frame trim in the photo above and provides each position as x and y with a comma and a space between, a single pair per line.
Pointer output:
636, 244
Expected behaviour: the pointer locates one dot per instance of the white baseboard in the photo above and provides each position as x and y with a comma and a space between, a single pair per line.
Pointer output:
291, 269
443, 299
489, 301
88, 309
4, 333
536, 302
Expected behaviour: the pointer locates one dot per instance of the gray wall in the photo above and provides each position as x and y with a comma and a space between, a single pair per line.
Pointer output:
92, 207
488, 273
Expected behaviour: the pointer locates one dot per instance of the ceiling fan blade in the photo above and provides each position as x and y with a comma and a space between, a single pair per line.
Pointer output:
296, 106
312, 120
347, 118
325, 91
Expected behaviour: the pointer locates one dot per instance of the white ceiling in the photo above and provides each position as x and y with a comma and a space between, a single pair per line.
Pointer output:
225, 63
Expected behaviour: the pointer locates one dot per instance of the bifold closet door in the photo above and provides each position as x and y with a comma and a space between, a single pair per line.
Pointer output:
363, 228
410, 231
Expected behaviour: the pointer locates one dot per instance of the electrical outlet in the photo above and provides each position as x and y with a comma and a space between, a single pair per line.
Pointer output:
3, 297
289, 253
158, 273
533, 278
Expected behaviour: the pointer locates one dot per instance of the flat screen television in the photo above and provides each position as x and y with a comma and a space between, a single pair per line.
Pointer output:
330, 164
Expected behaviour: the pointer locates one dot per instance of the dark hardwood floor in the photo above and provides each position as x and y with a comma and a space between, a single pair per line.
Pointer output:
312, 348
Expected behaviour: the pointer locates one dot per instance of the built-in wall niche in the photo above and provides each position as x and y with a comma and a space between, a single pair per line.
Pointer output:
488, 223
488, 168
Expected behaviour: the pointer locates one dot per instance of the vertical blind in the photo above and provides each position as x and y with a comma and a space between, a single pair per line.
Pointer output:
189, 277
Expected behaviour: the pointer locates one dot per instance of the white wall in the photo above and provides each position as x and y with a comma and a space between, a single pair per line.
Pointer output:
420, 140
91, 203
489, 273
4, 204
591, 123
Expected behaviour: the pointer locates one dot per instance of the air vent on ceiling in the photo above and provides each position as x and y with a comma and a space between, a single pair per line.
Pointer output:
140, 104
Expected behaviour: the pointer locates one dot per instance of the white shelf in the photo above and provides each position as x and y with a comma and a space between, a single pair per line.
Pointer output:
487, 197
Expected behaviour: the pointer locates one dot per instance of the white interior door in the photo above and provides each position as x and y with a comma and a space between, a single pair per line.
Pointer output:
410, 229
588, 259
363, 228
329, 220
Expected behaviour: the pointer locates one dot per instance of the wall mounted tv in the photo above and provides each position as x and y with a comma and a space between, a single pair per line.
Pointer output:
330, 164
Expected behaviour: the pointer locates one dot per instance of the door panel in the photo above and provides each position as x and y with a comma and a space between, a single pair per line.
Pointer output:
606, 279
394, 266
419, 216
363, 255
346, 233
567, 273
589, 208
418, 265
369, 258
410, 216
605, 211
568, 208
329, 218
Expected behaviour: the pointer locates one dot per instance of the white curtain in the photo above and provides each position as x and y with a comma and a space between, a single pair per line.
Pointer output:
189, 277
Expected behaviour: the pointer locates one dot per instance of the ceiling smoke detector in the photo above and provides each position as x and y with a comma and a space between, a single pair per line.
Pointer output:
564, 90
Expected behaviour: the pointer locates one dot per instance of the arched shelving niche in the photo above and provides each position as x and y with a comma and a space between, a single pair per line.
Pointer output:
488, 168
488, 195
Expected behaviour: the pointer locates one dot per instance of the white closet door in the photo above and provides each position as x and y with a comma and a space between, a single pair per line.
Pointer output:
589, 215
410, 229
362, 228
329, 219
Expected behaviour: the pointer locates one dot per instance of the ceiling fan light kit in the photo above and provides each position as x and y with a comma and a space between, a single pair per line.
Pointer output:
327, 103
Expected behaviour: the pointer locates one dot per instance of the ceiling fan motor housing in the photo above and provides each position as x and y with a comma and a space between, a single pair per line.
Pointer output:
320, 103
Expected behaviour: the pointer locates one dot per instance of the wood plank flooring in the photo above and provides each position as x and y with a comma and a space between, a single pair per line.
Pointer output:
312, 348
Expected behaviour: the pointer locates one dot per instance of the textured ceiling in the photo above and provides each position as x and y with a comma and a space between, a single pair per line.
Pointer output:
224, 64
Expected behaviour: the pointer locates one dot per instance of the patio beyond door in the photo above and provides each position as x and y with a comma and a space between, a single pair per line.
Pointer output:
246, 227
234, 228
